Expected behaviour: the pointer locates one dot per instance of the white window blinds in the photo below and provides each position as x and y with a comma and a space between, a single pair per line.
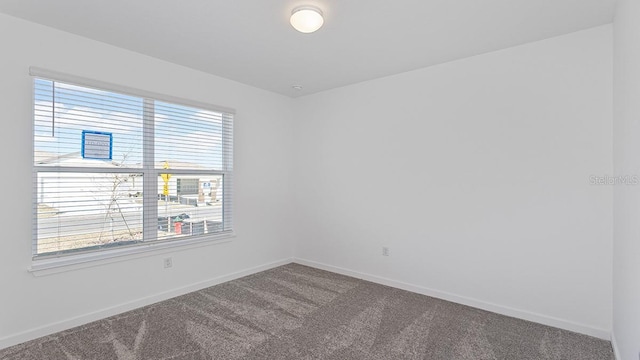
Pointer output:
115, 168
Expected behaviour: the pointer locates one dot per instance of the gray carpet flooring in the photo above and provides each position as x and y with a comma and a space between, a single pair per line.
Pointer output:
297, 312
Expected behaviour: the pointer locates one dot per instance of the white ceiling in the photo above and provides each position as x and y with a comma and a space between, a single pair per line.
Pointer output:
251, 41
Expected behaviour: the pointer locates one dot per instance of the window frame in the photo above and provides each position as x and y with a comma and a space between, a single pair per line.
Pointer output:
54, 263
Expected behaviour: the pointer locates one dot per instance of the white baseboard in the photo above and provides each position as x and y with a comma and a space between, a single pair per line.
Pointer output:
131, 305
114, 310
614, 344
499, 309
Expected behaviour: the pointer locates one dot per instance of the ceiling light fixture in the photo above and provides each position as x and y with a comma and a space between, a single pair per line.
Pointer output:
306, 19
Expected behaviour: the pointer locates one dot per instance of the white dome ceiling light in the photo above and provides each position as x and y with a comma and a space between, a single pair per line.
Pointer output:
306, 19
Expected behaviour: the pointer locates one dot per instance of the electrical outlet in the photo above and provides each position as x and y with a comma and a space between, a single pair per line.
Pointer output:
168, 262
385, 251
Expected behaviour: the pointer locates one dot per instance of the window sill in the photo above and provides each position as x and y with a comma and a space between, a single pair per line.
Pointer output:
48, 266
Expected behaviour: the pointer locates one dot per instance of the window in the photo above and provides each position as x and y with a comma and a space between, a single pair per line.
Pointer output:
117, 169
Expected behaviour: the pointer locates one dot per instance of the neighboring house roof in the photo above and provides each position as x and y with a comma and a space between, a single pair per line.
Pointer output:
74, 159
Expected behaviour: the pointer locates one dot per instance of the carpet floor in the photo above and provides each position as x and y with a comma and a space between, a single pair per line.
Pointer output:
297, 312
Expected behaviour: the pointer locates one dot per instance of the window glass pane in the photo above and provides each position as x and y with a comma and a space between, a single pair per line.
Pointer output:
62, 112
87, 210
92, 149
193, 205
188, 138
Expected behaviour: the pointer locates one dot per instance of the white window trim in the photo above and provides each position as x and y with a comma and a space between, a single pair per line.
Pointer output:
97, 84
65, 263
80, 260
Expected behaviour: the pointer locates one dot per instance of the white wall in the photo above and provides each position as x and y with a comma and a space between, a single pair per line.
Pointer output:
32, 306
475, 173
626, 139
